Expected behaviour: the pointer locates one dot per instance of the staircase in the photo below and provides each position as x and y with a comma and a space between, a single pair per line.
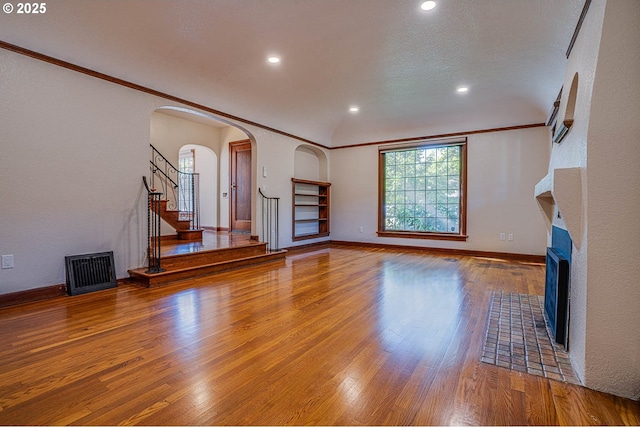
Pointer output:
179, 204
173, 218
193, 252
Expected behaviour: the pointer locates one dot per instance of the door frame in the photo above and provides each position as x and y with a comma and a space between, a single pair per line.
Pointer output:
233, 145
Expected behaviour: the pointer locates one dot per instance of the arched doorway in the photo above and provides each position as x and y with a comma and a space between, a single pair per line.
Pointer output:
176, 129
203, 161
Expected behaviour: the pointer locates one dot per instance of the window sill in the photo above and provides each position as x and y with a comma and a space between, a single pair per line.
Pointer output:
426, 236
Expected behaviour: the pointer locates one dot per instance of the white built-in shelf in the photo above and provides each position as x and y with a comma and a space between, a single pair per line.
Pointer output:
311, 220
310, 209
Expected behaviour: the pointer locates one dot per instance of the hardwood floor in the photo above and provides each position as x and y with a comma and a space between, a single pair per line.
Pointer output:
333, 336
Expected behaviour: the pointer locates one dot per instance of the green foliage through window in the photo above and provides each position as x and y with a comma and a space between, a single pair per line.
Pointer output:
422, 189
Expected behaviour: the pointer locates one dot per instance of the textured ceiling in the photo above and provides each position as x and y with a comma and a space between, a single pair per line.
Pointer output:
399, 64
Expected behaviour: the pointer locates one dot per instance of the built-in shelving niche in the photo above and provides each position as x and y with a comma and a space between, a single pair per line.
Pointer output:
311, 207
562, 188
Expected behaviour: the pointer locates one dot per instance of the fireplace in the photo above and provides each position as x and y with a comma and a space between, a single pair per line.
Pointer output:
557, 282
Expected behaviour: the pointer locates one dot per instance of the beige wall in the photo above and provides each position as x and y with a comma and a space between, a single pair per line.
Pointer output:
612, 359
74, 151
604, 343
503, 168
170, 133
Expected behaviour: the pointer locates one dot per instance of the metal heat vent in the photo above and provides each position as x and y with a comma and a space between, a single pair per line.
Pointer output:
90, 272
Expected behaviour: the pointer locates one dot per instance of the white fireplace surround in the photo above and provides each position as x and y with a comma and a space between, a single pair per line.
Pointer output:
562, 188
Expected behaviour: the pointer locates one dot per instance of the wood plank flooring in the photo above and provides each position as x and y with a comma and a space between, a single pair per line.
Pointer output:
337, 335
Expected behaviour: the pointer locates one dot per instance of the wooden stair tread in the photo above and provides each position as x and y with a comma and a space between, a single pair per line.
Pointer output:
183, 269
206, 257
182, 226
216, 250
140, 275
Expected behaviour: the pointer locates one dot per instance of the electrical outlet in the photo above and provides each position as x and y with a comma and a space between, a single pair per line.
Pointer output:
7, 261
361, 229
503, 236
510, 237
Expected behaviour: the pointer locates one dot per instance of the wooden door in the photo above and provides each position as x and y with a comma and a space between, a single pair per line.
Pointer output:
240, 186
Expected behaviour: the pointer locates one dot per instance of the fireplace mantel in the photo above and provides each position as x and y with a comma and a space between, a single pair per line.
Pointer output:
562, 187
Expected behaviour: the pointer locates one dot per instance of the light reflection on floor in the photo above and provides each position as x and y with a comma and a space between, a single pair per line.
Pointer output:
210, 240
416, 305
187, 309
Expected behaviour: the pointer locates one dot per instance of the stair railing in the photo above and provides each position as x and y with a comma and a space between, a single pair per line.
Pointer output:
270, 221
181, 189
154, 236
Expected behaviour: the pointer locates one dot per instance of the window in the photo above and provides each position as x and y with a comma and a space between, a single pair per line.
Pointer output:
186, 161
423, 191
186, 164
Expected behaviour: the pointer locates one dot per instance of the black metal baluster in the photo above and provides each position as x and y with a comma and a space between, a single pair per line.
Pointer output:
154, 235
270, 221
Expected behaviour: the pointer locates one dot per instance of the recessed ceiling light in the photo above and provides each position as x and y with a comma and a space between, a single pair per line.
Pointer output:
273, 60
354, 109
428, 5
463, 89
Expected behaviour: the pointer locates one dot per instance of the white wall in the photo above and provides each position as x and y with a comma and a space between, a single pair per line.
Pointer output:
74, 151
307, 164
170, 133
503, 168
277, 153
612, 359
310, 163
572, 152
206, 165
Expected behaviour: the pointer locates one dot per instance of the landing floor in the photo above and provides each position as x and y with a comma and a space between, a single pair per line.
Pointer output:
210, 240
